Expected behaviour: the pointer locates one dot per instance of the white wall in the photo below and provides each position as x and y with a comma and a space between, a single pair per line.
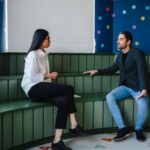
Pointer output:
70, 23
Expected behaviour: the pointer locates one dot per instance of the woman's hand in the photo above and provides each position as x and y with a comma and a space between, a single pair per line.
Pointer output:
91, 72
53, 75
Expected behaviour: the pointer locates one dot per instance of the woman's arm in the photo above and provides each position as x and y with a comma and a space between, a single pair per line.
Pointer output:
52, 75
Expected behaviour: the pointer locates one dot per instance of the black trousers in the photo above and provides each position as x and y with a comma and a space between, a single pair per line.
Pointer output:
62, 96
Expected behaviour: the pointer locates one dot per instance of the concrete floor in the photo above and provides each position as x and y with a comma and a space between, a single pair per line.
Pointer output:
97, 142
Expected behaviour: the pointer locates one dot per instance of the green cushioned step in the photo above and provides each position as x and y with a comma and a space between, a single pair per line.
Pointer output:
17, 105
7, 77
9, 106
94, 96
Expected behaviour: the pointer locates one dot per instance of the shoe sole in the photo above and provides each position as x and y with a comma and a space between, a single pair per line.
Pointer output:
141, 140
74, 133
56, 149
123, 138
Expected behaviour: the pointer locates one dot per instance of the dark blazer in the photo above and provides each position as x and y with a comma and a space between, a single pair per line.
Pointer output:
133, 73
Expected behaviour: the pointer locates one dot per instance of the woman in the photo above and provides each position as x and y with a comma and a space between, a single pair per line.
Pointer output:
38, 86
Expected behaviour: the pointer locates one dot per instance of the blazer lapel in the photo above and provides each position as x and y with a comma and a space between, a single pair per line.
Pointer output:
128, 57
121, 61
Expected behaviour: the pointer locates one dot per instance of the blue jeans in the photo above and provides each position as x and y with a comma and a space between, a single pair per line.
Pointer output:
120, 93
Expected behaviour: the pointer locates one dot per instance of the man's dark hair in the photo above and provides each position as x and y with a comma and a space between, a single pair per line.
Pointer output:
128, 35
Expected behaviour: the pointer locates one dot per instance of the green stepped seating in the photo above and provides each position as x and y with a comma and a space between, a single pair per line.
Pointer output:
23, 121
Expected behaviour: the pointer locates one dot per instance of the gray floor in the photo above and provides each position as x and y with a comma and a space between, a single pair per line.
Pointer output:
96, 142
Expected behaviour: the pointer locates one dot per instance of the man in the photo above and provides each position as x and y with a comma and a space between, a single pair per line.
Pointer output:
133, 79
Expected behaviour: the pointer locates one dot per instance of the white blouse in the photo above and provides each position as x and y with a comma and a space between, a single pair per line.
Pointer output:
36, 66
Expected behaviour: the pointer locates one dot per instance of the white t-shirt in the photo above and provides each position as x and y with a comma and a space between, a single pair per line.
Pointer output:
36, 66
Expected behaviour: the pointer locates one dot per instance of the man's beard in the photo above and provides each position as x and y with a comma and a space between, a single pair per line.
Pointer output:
121, 47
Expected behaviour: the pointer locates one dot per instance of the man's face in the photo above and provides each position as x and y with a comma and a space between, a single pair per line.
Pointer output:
122, 42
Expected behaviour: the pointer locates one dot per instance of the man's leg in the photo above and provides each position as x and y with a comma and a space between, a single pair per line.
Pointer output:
116, 95
112, 98
142, 113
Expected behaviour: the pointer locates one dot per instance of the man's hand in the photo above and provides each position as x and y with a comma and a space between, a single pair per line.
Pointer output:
143, 93
91, 72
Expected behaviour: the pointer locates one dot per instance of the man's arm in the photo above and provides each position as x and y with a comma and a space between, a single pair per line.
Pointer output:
110, 70
141, 66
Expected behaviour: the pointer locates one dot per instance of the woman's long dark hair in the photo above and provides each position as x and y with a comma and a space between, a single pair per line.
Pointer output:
38, 37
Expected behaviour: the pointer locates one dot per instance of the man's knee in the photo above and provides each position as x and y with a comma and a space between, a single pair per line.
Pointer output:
110, 97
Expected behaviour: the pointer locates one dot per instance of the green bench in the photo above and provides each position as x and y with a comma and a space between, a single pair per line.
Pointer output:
16, 105
23, 121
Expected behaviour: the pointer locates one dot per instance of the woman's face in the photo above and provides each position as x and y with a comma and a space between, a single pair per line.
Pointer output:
46, 42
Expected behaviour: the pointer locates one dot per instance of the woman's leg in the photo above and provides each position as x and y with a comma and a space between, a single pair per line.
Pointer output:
68, 92
62, 96
62, 113
58, 135
49, 92
73, 120
45, 91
